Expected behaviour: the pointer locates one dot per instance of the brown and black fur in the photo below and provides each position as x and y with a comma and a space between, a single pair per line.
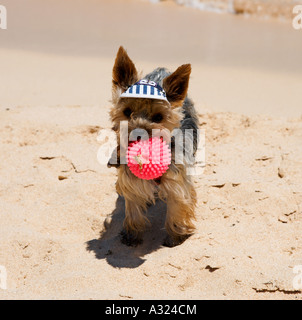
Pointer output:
175, 187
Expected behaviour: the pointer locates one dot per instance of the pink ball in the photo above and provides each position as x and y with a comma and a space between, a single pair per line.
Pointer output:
149, 159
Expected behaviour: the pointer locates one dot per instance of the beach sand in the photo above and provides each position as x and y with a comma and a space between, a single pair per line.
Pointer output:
60, 215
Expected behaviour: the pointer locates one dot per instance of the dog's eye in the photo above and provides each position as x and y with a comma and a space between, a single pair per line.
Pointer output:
127, 112
157, 118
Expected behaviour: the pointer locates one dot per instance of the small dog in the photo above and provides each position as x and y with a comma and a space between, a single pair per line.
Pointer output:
170, 111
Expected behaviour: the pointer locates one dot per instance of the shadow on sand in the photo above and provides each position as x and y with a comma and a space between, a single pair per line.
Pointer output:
118, 255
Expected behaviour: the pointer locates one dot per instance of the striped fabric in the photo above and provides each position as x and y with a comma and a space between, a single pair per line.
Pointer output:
145, 89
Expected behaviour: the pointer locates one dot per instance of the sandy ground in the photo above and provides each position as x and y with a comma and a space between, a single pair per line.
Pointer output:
60, 215
248, 235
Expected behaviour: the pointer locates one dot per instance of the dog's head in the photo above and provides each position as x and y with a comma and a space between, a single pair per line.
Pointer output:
147, 113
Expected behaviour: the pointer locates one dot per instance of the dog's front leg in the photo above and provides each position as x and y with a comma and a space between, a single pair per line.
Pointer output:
138, 194
134, 223
180, 195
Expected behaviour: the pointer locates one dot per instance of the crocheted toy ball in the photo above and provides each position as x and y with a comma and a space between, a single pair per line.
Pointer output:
149, 159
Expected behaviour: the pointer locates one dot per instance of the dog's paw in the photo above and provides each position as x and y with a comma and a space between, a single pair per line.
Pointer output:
175, 241
130, 239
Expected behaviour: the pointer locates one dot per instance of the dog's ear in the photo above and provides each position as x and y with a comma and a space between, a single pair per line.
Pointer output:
176, 85
124, 74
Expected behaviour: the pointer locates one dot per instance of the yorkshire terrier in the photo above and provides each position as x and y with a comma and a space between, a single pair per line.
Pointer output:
168, 109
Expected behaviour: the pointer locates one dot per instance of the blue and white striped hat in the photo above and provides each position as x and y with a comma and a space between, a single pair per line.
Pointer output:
145, 89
